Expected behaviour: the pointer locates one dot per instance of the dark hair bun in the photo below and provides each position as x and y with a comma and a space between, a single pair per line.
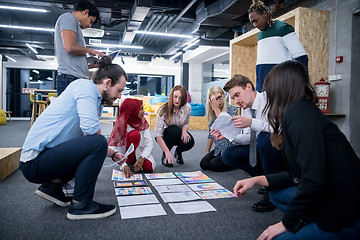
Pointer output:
105, 61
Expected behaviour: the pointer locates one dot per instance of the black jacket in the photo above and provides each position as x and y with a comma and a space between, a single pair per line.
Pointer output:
323, 166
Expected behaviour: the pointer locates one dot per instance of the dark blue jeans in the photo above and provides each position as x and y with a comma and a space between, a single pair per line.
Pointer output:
81, 158
62, 82
269, 160
282, 198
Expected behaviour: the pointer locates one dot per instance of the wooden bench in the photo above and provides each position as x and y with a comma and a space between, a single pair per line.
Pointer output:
9, 161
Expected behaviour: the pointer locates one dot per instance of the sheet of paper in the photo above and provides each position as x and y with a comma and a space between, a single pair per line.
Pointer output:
142, 211
196, 174
191, 180
132, 191
173, 188
130, 150
214, 194
224, 124
129, 184
179, 196
192, 207
193, 177
159, 175
120, 176
160, 182
205, 186
137, 200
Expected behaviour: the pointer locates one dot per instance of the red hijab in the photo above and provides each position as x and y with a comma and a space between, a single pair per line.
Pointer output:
128, 114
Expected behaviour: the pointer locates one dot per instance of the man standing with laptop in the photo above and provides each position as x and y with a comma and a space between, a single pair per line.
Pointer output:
70, 45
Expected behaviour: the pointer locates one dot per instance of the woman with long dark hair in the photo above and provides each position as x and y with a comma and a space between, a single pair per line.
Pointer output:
172, 124
318, 193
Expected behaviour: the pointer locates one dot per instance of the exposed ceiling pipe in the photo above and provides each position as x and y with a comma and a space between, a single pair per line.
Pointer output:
154, 23
148, 26
171, 18
182, 13
160, 25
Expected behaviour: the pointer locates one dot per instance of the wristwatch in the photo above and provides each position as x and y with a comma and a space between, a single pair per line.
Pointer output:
112, 157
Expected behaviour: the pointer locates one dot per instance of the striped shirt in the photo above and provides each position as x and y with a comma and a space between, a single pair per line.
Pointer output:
276, 44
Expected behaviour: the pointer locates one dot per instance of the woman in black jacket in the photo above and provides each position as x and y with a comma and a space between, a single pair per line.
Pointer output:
320, 192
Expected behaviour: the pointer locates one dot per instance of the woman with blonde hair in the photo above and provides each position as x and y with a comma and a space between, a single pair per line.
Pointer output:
172, 124
215, 104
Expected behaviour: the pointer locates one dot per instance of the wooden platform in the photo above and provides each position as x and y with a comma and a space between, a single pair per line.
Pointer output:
9, 161
196, 123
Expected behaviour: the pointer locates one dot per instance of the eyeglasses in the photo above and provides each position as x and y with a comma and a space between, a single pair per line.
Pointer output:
219, 97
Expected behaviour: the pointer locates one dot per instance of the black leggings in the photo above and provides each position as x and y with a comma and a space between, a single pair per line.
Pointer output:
215, 163
172, 137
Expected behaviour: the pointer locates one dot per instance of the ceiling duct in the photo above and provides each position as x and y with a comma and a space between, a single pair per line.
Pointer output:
137, 16
93, 32
222, 14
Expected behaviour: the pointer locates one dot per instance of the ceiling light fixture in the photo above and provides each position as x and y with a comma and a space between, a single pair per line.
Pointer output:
115, 46
175, 56
28, 28
164, 34
10, 58
23, 9
191, 44
31, 48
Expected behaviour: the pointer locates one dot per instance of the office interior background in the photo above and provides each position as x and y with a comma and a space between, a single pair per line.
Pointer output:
198, 59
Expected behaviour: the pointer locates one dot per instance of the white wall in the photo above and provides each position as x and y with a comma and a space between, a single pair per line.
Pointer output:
195, 58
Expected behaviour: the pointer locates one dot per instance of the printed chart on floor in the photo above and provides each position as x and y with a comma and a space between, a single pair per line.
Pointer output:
173, 188
179, 196
139, 211
132, 191
137, 200
214, 194
191, 207
130, 184
159, 175
196, 174
120, 176
160, 182
193, 177
205, 186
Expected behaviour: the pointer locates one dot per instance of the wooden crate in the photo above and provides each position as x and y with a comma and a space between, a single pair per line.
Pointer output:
9, 161
196, 123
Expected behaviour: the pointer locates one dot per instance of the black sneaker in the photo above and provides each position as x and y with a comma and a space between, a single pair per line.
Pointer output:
264, 205
179, 157
68, 190
53, 192
92, 210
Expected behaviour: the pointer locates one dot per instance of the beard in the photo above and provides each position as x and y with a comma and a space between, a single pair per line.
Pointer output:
106, 99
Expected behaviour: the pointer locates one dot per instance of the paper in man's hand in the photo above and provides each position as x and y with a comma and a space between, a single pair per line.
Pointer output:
226, 127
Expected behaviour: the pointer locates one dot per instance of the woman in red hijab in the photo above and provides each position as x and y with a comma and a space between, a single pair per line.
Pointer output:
132, 128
